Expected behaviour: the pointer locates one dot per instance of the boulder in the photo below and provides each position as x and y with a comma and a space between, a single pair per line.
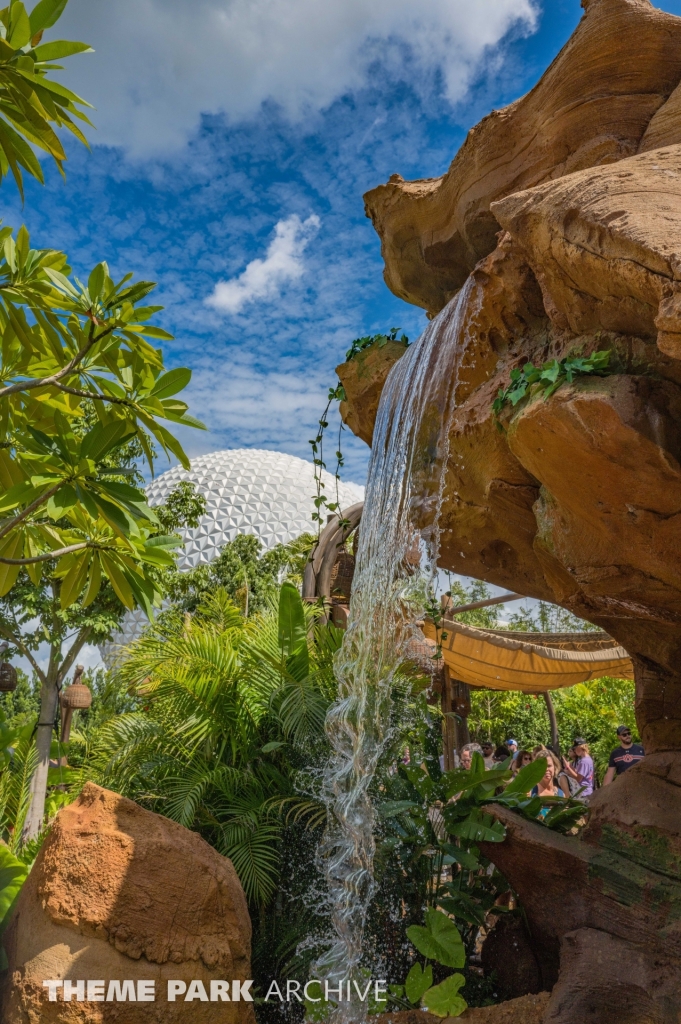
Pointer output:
528, 1009
120, 893
591, 107
605, 247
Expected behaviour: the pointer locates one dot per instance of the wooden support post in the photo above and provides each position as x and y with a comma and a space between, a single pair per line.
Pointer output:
553, 723
448, 722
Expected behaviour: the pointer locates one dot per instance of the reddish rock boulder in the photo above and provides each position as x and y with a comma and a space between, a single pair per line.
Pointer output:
120, 893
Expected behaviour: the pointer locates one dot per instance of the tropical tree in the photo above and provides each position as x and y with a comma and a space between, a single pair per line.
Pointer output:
230, 711
31, 102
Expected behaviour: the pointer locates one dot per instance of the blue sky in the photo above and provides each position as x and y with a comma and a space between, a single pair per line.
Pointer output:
234, 131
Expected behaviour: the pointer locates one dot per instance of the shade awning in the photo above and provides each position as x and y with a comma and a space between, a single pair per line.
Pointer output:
530, 662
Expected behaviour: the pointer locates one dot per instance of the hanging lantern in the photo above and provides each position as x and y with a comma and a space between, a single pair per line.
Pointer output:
77, 696
8, 677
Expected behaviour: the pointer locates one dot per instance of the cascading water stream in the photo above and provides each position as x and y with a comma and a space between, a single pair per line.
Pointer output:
394, 574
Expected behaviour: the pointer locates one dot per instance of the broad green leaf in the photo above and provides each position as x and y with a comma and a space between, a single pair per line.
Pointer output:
171, 382
444, 1000
13, 874
11, 546
60, 503
20, 494
103, 438
417, 982
99, 274
74, 581
45, 14
94, 582
391, 808
527, 777
479, 827
439, 939
118, 580
60, 48
19, 32
467, 859
292, 627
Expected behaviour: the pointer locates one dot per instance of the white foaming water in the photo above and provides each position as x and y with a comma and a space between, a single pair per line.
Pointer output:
394, 575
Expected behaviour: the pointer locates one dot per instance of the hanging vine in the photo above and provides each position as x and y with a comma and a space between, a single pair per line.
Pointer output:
324, 506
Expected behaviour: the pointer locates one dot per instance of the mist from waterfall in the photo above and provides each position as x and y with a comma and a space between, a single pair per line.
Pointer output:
393, 583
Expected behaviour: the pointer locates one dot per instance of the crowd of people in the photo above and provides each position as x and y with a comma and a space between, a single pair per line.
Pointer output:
572, 776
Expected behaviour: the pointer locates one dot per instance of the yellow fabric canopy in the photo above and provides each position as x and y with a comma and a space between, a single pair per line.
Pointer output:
531, 662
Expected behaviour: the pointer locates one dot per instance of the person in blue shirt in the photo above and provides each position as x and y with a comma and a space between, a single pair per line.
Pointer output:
625, 756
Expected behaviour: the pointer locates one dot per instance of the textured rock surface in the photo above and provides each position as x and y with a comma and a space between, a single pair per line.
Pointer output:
591, 107
565, 209
616, 926
604, 245
526, 1009
120, 893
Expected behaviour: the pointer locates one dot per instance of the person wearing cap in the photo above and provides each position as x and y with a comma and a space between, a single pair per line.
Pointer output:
488, 753
627, 754
581, 770
512, 745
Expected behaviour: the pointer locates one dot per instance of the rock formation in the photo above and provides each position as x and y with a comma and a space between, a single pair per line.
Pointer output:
565, 209
121, 893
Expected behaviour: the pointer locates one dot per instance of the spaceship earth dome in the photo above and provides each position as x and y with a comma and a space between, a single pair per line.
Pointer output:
249, 490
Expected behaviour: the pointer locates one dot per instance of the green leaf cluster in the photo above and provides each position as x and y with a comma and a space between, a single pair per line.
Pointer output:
379, 340
79, 380
33, 106
548, 377
229, 710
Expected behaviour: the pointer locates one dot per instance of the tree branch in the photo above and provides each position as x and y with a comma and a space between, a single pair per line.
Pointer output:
81, 393
40, 500
73, 652
47, 555
41, 382
18, 643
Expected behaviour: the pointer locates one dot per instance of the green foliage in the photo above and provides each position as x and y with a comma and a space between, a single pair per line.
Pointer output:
593, 710
13, 874
228, 711
323, 505
79, 381
419, 980
31, 102
250, 577
379, 340
444, 999
548, 377
439, 939
17, 765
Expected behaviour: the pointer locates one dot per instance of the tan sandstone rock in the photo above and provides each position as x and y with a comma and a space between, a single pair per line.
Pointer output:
605, 246
591, 107
524, 1010
118, 892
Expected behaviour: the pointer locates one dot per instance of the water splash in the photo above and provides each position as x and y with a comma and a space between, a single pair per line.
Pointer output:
394, 574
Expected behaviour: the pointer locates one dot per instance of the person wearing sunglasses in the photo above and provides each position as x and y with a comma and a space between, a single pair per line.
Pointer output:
624, 756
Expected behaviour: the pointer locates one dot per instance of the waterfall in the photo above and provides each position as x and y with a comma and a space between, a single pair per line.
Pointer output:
394, 575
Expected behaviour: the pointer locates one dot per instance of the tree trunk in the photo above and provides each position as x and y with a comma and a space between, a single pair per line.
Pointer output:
49, 696
604, 909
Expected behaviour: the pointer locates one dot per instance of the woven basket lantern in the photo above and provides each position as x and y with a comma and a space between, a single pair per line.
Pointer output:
8, 677
341, 577
77, 696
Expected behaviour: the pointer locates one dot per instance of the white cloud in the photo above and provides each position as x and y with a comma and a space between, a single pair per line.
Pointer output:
159, 64
263, 278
